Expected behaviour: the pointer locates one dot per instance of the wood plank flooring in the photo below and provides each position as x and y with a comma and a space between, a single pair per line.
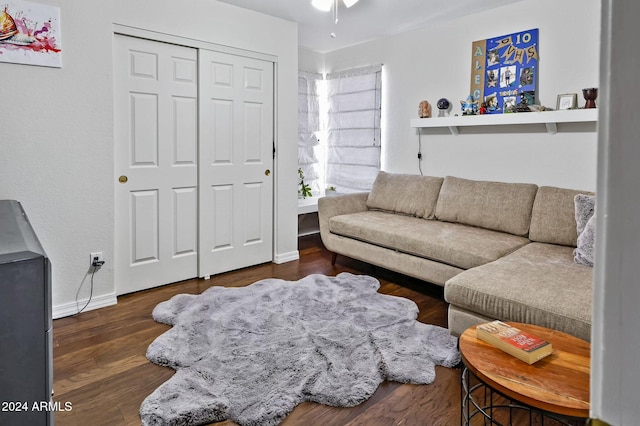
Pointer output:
101, 369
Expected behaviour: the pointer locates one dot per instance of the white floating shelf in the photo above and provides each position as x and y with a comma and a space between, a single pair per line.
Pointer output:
549, 118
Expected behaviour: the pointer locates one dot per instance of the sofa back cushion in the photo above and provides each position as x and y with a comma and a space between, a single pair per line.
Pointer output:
406, 194
553, 218
499, 206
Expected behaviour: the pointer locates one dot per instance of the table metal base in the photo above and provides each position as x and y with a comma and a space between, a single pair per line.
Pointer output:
478, 408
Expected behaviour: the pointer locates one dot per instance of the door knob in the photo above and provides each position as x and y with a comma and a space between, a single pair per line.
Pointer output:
123, 179
267, 172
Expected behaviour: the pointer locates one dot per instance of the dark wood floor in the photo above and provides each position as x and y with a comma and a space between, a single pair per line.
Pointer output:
101, 369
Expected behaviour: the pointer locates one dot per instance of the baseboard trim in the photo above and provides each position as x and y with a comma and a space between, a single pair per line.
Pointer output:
72, 308
286, 257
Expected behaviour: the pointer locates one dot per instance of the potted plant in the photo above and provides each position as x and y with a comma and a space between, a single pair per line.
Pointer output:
330, 191
304, 190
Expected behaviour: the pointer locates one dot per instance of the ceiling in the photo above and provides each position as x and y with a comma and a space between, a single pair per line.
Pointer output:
366, 20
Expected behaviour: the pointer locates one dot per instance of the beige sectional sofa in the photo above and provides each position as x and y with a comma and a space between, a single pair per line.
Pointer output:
501, 250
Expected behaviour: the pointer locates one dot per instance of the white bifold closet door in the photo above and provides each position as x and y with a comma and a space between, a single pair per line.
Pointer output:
156, 163
193, 162
236, 162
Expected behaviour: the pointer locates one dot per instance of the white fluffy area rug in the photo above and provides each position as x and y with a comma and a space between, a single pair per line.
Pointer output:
251, 354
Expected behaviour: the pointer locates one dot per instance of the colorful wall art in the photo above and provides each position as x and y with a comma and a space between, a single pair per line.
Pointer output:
504, 72
30, 34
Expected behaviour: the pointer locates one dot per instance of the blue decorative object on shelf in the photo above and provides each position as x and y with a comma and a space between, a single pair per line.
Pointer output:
469, 106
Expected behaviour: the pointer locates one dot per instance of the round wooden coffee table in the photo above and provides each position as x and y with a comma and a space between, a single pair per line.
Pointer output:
556, 386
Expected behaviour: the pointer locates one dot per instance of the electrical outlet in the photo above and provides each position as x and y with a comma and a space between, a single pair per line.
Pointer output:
96, 259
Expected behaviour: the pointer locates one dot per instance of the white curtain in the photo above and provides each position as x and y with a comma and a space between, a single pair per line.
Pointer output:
308, 126
353, 128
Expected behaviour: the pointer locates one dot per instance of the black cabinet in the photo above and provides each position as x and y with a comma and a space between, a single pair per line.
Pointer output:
26, 357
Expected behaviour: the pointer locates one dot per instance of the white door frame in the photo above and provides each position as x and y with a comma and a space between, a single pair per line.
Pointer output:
200, 44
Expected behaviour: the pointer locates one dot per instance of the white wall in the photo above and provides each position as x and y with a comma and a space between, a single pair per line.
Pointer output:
57, 136
310, 60
435, 62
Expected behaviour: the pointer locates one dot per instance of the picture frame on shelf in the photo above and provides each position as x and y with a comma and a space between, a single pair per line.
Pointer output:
567, 101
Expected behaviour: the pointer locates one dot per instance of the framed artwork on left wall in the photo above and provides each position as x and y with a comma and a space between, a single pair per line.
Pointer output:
30, 34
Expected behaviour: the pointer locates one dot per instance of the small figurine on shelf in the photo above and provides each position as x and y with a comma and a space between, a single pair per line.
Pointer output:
483, 108
469, 106
443, 107
424, 110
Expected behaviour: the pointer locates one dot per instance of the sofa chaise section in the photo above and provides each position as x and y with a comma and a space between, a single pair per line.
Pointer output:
539, 283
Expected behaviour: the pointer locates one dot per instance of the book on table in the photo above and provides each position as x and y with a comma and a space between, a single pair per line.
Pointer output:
522, 345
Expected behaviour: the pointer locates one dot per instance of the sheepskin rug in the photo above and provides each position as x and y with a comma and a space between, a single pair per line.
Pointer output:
251, 354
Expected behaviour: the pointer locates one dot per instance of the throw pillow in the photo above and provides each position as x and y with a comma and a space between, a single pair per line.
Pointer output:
585, 206
583, 254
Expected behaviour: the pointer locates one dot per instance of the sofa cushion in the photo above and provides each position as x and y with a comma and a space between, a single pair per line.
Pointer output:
553, 216
407, 194
538, 284
451, 243
492, 205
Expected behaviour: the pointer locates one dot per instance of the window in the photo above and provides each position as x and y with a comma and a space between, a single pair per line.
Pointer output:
353, 128
309, 149
339, 129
